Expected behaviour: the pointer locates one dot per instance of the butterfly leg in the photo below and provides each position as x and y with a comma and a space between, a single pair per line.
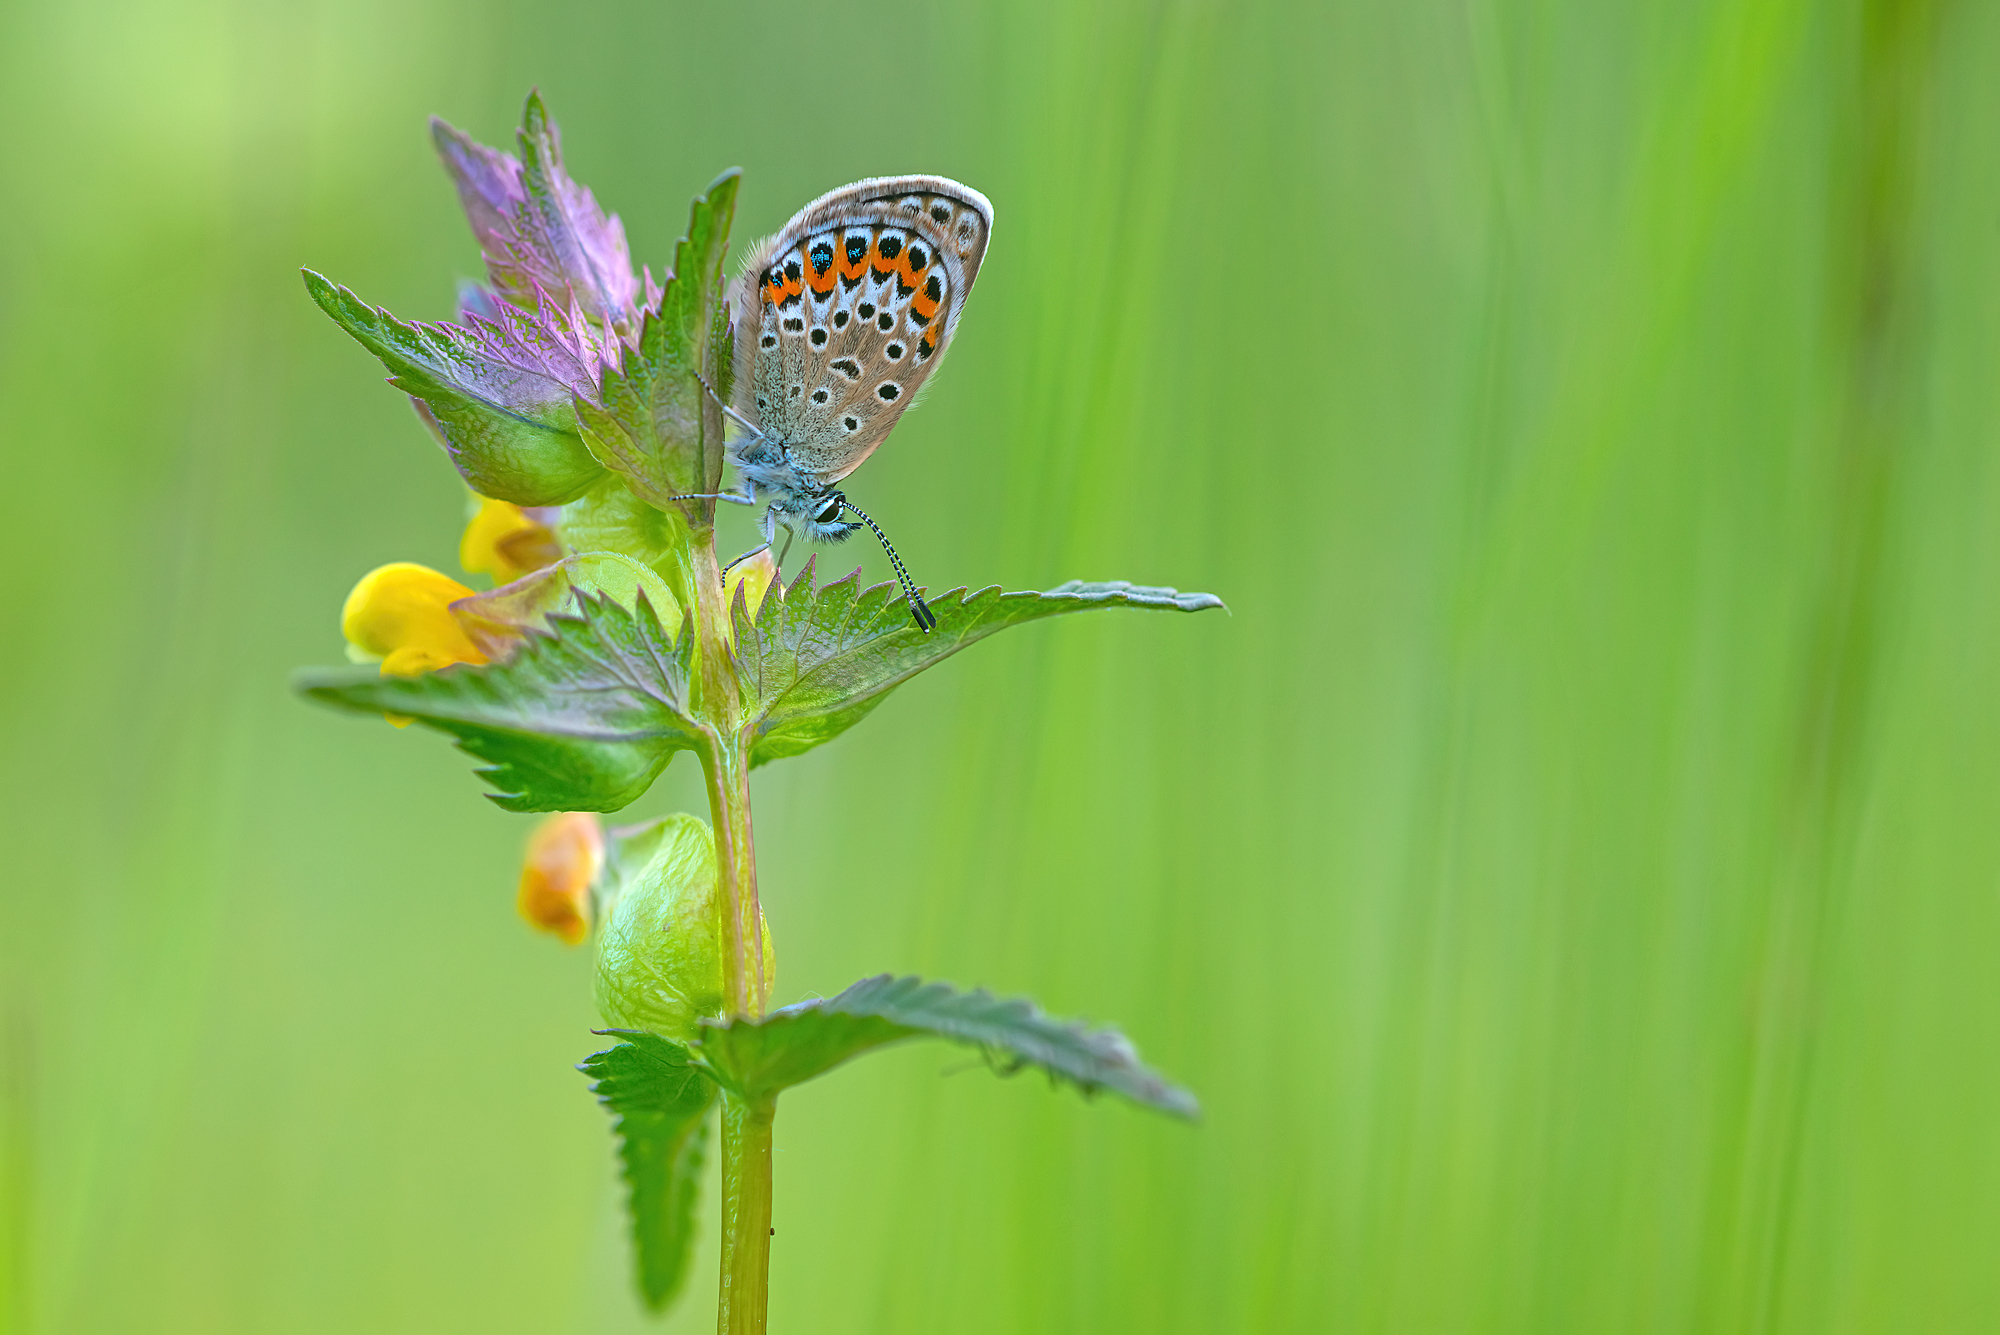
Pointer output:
739, 560
728, 411
770, 533
746, 499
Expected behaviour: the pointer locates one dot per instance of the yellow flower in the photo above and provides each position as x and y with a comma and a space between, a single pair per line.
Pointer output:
506, 542
400, 615
565, 855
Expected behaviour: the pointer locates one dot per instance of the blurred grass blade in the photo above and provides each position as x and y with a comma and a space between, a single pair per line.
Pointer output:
661, 1105
792, 1045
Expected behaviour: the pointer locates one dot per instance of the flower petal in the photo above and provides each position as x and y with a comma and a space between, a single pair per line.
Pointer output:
404, 608
565, 855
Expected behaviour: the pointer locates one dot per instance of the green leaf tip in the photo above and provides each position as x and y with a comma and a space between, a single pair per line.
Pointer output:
795, 1044
816, 661
582, 717
500, 396
651, 421
660, 1104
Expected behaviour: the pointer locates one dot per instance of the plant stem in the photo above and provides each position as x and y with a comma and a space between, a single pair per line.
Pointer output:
727, 771
746, 1215
728, 776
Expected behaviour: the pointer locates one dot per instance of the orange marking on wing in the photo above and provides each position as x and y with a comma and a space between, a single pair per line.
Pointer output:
822, 283
904, 273
774, 291
884, 266
931, 338
845, 267
922, 303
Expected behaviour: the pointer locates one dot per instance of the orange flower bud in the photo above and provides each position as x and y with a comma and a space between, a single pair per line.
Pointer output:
565, 855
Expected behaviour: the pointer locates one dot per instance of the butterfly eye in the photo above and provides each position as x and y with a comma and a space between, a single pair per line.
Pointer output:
830, 511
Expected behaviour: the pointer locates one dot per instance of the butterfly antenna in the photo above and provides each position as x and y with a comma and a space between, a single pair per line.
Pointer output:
926, 620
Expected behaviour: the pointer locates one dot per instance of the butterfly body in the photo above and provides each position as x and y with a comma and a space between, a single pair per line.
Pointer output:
841, 318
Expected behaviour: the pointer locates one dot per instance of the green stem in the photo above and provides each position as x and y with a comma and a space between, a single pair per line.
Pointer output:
728, 778
742, 1302
726, 770
746, 1215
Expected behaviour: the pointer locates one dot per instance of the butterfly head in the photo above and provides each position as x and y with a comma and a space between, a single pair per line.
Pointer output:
822, 522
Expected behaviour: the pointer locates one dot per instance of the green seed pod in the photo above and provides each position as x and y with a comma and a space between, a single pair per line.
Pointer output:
660, 955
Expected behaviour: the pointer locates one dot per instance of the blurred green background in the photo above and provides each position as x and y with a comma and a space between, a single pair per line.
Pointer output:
1570, 876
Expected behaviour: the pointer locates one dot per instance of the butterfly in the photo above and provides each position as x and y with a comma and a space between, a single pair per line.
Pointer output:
841, 318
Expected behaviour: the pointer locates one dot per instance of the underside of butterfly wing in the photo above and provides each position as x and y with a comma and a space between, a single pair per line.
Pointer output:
843, 316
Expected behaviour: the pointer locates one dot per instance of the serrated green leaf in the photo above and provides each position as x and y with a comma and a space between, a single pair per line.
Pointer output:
510, 430
648, 421
585, 248
544, 237
792, 1045
816, 661
582, 718
661, 1105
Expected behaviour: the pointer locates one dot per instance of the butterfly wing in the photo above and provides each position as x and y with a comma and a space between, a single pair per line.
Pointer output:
845, 313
